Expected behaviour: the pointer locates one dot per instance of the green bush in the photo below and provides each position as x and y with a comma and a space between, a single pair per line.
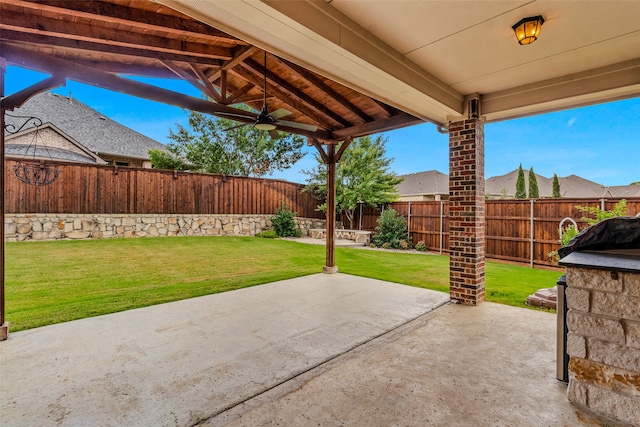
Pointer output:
268, 234
391, 229
421, 246
386, 245
283, 222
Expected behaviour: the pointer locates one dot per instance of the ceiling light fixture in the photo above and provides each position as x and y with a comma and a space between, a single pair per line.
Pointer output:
528, 29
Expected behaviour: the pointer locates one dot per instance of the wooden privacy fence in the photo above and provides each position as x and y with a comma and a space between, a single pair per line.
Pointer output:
524, 231
105, 189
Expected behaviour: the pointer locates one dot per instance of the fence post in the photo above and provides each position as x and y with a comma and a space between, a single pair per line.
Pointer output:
360, 224
531, 231
441, 228
409, 222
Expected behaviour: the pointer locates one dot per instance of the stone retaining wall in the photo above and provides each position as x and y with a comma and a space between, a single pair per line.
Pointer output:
24, 227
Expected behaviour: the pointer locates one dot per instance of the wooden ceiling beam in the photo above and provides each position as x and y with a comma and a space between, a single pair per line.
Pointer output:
237, 95
192, 80
40, 41
382, 125
284, 97
129, 16
41, 25
317, 82
293, 92
211, 90
238, 57
95, 77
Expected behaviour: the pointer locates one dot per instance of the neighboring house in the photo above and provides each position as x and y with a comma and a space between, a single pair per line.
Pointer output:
72, 131
424, 186
434, 185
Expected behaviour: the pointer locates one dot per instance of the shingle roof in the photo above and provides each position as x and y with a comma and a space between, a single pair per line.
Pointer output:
572, 186
429, 182
87, 126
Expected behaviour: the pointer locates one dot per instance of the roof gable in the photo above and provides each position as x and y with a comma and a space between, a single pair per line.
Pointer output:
90, 128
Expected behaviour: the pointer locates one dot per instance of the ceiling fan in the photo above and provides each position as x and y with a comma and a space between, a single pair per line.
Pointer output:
270, 121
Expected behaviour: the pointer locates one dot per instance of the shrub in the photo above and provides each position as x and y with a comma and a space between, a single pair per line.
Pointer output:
386, 245
404, 245
391, 229
620, 209
283, 222
420, 246
268, 234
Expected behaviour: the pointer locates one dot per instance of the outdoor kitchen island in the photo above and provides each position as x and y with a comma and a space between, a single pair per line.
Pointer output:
603, 341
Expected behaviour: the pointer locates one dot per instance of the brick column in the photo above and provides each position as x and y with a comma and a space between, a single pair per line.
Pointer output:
466, 211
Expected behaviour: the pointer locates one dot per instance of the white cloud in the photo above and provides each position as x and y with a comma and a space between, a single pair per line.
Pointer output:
572, 121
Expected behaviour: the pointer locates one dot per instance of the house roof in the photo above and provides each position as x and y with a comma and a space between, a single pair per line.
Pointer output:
572, 186
92, 129
428, 182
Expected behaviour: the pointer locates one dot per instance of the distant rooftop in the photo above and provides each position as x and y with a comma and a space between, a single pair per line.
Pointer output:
87, 126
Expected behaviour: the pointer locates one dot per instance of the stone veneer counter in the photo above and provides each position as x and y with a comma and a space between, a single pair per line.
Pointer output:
603, 298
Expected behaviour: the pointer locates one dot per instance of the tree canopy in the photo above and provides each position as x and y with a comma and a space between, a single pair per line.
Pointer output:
521, 189
216, 145
362, 175
555, 191
534, 192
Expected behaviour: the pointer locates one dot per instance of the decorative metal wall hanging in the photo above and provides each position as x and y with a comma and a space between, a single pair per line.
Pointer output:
32, 171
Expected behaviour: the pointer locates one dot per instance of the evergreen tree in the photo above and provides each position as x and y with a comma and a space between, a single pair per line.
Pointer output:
556, 187
521, 189
534, 192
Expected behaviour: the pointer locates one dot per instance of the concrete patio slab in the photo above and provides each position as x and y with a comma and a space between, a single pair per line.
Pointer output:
182, 363
491, 365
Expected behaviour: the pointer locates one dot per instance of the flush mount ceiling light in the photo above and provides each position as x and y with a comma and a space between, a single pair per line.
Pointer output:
528, 29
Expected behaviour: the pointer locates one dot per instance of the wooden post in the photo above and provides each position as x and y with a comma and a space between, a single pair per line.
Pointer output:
4, 326
330, 266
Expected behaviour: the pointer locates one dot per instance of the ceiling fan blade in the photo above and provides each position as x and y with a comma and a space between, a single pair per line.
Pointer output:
244, 116
274, 134
281, 112
297, 125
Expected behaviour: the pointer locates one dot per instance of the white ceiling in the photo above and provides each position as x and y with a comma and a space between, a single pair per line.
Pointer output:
425, 56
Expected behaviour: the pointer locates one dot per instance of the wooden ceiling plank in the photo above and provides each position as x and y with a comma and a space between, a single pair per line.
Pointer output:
382, 125
284, 97
40, 40
292, 91
238, 57
317, 82
133, 17
95, 77
20, 22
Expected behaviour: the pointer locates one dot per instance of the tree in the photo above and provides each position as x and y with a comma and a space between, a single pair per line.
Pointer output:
534, 192
161, 159
362, 176
555, 192
212, 147
521, 189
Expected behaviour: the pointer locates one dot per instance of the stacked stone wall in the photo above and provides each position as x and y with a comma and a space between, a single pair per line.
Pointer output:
604, 342
25, 227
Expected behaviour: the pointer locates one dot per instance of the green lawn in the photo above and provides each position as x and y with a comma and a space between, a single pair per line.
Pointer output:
51, 282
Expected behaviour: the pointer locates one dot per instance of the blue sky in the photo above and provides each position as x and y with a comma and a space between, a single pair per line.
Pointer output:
599, 143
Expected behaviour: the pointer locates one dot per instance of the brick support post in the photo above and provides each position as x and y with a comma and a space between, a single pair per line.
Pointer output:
466, 211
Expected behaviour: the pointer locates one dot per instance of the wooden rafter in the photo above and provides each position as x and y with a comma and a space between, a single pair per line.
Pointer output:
238, 95
16, 21
380, 125
317, 82
136, 18
282, 95
238, 57
207, 89
104, 80
292, 92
